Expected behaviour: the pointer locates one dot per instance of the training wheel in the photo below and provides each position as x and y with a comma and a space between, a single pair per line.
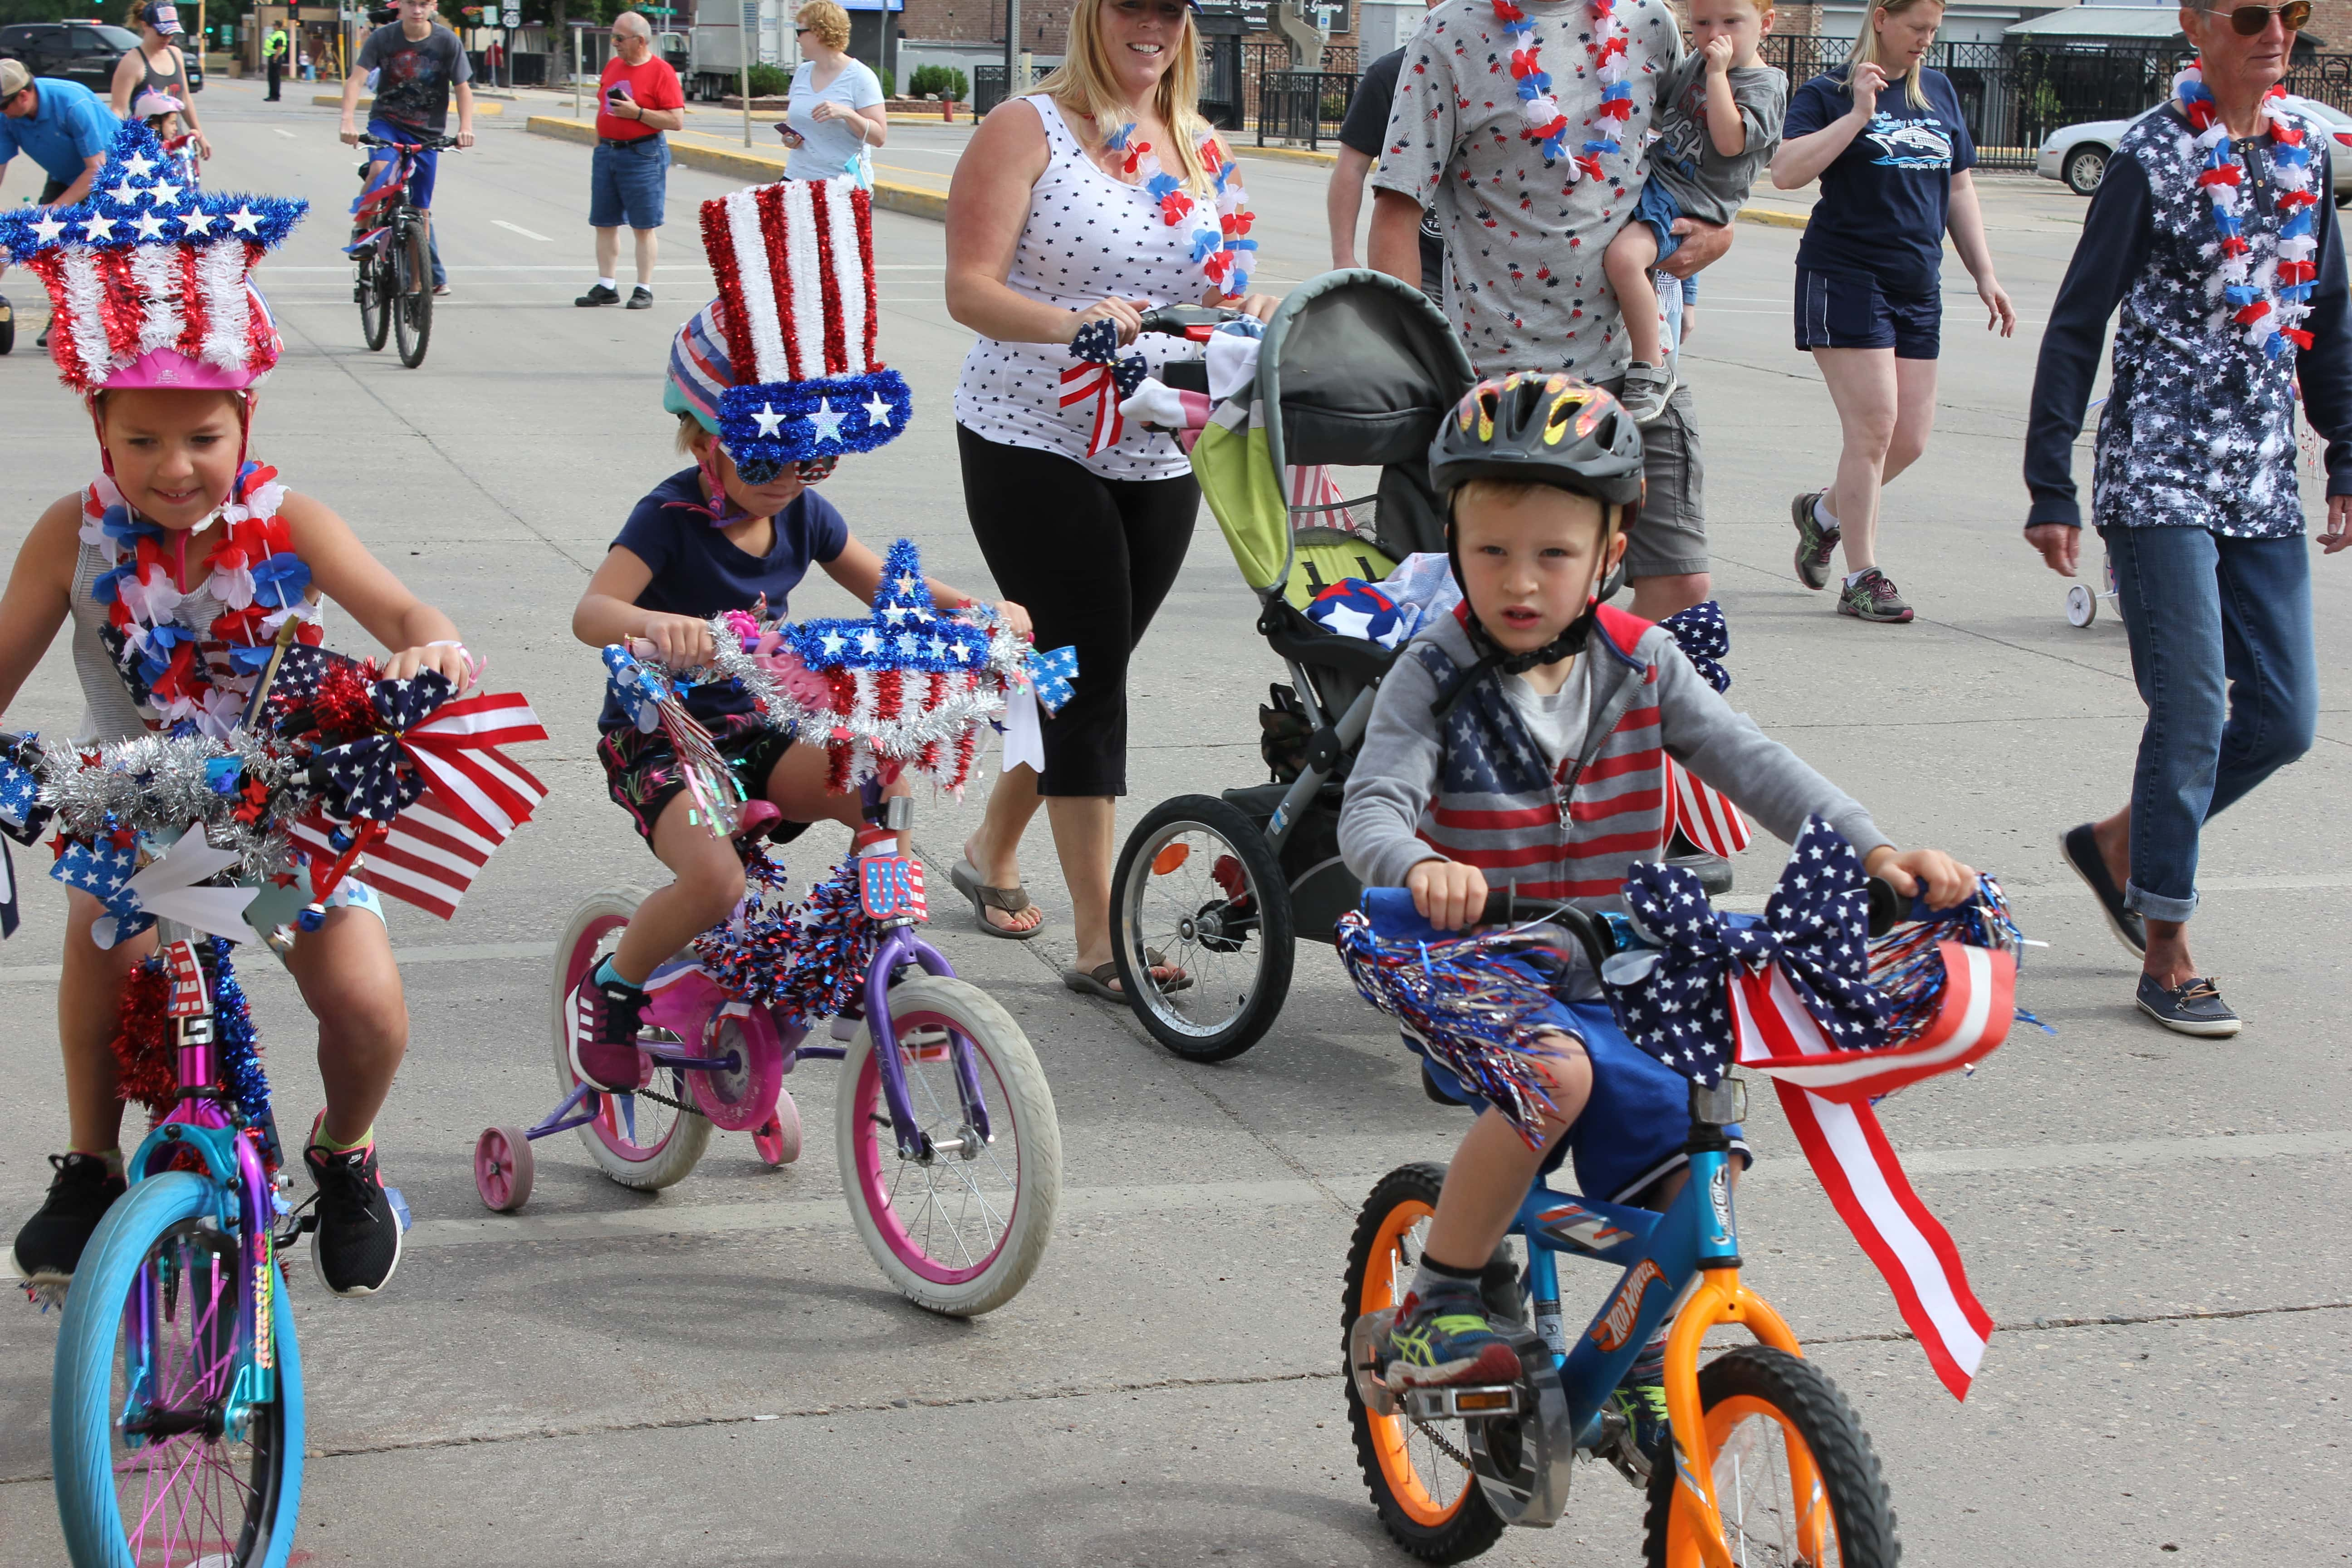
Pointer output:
502, 1168
2082, 605
779, 1138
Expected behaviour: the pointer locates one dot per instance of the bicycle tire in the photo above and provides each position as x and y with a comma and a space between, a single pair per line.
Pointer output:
413, 311
1197, 1023
1418, 1516
873, 1175
1758, 1383
375, 301
656, 1165
83, 1404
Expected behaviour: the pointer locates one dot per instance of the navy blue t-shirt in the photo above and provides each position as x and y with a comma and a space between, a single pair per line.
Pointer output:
697, 572
1884, 201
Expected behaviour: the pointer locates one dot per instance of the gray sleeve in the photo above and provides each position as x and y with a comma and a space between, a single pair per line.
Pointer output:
1763, 105
371, 57
1420, 129
1761, 777
460, 67
1394, 776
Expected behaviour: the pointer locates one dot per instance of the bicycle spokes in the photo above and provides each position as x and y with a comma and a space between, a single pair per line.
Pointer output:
952, 1205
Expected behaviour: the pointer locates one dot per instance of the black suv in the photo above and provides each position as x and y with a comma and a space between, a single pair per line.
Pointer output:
82, 51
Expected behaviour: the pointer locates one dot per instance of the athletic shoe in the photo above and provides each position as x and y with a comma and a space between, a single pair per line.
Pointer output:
600, 1025
2079, 845
2192, 1007
1816, 542
50, 1244
641, 298
1641, 1399
43, 340
1647, 388
357, 1243
1446, 1339
440, 291
1872, 597
599, 295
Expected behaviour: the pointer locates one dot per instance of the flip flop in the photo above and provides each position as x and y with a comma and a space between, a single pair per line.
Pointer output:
1096, 982
1013, 900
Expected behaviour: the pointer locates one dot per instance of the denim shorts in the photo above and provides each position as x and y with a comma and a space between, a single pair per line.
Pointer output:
1659, 209
1850, 311
628, 182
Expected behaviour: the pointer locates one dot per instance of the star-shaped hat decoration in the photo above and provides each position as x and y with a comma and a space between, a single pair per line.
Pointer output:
905, 632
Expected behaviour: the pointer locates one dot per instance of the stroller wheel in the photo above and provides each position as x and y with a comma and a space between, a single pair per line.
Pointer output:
2082, 605
1198, 884
8, 325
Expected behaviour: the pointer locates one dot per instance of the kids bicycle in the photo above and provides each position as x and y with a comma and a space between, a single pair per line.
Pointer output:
392, 245
949, 1150
1767, 1462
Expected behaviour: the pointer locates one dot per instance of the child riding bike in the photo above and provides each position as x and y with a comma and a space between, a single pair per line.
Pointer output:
1524, 737
736, 532
179, 566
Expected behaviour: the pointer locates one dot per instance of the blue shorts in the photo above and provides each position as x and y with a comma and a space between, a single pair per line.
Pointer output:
1850, 311
628, 182
422, 168
1659, 209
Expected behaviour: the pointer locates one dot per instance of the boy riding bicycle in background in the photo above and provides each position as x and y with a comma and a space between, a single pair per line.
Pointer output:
418, 63
1526, 735
736, 532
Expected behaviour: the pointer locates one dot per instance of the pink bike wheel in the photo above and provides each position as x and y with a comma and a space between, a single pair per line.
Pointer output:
503, 1168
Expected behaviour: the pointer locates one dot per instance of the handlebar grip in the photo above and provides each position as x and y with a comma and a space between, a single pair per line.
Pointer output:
640, 647
1176, 320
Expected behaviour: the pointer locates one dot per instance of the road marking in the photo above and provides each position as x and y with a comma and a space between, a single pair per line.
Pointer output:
283, 131
452, 952
1110, 1202
517, 228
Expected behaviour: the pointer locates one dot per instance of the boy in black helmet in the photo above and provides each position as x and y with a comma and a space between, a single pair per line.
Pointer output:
1521, 741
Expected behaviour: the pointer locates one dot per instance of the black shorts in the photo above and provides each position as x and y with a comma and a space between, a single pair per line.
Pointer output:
1850, 311
643, 773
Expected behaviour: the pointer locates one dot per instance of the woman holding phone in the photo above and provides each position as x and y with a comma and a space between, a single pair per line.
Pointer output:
836, 117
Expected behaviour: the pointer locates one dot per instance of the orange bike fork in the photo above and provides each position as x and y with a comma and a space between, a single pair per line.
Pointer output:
1694, 1531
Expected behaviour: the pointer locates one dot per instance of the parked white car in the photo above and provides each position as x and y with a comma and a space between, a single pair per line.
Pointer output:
2076, 156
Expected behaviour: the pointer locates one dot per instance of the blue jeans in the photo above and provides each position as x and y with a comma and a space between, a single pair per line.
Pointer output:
2222, 648
423, 171
627, 183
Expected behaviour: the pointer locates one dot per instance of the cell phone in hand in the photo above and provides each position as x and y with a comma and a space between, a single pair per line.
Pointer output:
618, 93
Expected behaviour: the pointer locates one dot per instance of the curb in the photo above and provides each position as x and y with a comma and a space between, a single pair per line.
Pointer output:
911, 200
335, 101
1287, 154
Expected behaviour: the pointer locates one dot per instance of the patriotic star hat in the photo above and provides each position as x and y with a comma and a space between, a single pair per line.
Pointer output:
150, 279
797, 318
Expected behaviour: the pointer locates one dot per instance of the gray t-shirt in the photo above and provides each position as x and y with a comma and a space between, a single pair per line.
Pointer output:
1705, 184
417, 73
1557, 721
1524, 243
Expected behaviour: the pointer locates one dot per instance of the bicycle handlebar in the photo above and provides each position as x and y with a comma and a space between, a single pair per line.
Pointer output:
426, 144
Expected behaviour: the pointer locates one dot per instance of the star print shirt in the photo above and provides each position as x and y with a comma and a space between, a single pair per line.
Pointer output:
2197, 430
697, 572
1886, 199
1525, 283
1477, 787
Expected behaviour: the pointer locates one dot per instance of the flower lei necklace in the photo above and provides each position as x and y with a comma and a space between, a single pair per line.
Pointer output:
1220, 244
2272, 318
253, 572
1545, 123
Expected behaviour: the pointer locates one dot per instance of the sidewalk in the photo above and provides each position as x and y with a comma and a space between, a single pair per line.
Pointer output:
916, 191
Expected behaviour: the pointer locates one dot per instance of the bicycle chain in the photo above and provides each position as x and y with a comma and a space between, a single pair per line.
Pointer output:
660, 1099
1448, 1449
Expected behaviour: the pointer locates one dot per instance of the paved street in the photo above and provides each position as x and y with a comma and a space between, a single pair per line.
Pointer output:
718, 1374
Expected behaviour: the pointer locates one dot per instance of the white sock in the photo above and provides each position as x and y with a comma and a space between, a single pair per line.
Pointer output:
606, 284
1854, 577
1821, 513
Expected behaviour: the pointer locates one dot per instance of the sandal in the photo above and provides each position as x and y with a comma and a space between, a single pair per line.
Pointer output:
1013, 900
1102, 980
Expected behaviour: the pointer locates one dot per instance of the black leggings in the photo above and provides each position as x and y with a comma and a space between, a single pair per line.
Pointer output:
1091, 559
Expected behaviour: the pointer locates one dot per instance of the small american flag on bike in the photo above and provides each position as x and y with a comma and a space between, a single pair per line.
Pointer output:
428, 857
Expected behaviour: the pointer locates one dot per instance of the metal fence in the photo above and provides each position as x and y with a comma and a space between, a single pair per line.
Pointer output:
1302, 106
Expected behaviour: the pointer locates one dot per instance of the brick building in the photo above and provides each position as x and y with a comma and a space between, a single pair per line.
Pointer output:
968, 32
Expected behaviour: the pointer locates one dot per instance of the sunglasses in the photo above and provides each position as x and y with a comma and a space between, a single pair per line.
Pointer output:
2250, 20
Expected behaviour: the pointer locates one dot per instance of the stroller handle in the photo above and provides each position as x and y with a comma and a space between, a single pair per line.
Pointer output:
1194, 321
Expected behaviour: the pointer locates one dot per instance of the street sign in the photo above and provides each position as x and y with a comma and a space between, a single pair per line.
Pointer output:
513, 18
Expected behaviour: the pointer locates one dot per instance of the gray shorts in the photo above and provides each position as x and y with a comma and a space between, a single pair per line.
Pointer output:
1670, 536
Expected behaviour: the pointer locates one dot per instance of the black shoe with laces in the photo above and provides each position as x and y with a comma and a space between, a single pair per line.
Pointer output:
51, 1243
356, 1245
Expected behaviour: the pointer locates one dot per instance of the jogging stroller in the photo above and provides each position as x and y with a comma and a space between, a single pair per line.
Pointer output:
1354, 373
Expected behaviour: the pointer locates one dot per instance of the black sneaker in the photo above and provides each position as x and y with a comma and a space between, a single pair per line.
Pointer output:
1815, 542
2079, 845
641, 298
2192, 1007
357, 1243
50, 1244
599, 295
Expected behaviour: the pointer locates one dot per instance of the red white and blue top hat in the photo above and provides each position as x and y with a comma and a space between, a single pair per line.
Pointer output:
794, 262
150, 278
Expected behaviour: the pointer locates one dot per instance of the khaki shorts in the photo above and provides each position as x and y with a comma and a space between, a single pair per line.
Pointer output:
1670, 537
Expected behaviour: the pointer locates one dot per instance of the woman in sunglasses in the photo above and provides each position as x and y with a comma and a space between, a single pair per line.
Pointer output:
1078, 208
834, 118
2212, 231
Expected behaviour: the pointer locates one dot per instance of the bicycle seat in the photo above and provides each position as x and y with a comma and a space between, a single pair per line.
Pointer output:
758, 816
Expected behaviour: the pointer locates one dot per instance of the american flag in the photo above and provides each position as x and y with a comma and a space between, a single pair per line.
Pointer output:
427, 857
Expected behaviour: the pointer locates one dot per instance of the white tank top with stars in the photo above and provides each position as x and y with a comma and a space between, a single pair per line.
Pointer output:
1088, 236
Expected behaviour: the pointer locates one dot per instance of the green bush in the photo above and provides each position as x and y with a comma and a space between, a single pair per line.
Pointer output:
889, 87
771, 81
947, 81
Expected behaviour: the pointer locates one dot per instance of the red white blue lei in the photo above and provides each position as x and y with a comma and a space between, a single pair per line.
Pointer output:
1545, 123
2271, 317
1220, 244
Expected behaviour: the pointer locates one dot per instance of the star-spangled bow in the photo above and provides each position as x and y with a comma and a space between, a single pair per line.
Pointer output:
1672, 997
366, 777
103, 869
1704, 639
1050, 673
1104, 375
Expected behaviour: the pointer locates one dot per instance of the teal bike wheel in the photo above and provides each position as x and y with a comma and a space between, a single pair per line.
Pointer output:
147, 1476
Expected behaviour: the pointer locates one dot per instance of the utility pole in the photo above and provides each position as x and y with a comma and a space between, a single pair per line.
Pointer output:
1014, 85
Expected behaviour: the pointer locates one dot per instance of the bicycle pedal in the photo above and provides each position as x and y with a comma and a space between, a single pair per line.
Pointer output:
1476, 1402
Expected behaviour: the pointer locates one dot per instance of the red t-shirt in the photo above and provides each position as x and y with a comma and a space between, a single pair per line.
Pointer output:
652, 85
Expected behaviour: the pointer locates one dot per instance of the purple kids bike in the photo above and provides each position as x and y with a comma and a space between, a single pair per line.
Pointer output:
950, 1153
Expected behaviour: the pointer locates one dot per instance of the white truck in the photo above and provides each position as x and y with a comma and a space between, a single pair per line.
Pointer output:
704, 41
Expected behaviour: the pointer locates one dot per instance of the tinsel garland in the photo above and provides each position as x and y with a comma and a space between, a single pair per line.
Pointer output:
1907, 971
1474, 1010
806, 960
243, 790
145, 1060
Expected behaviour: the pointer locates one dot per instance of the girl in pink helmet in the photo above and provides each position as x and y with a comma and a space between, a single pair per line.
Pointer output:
178, 566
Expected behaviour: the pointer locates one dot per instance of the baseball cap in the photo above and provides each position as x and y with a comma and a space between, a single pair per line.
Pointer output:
14, 78
164, 17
